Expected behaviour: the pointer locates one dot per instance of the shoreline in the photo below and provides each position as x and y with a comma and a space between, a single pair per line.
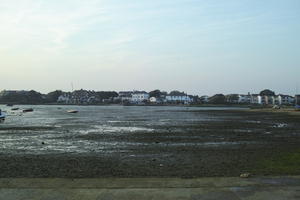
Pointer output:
112, 104
251, 106
289, 111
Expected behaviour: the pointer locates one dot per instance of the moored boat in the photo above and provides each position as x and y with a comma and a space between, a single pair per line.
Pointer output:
2, 116
72, 111
28, 110
297, 102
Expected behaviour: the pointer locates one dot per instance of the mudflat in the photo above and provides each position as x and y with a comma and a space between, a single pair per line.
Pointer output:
238, 141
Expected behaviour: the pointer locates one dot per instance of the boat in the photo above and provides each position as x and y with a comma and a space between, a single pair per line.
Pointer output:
297, 102
9, 104
2, 116
15, 109
276, 107
28, 110
72, 111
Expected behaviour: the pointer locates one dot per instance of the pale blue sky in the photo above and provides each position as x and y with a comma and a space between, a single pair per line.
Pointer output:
198, 46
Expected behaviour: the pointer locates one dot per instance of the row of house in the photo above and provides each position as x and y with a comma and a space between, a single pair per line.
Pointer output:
78, 97
86, 97
265, 97
279, 99
134, 97
142, 97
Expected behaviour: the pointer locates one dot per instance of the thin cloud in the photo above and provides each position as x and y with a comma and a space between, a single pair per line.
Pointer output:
34, 22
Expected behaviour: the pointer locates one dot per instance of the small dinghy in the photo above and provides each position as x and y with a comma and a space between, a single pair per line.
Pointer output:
72, 111
28, 110
2, 116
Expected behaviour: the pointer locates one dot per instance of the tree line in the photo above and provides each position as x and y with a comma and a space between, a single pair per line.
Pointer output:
34, 97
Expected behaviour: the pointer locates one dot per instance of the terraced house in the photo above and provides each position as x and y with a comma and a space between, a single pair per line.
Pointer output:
139, 96
284, 100
179, 98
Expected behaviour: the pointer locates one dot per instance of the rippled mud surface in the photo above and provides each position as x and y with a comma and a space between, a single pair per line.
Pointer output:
120, 141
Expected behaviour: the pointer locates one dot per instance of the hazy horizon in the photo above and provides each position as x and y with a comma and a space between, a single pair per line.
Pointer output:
197, 46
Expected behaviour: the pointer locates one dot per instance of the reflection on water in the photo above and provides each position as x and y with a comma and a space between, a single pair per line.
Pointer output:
50, 129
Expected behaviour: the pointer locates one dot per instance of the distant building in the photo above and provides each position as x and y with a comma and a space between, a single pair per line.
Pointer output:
125, 95
10, 92
232, 98
157, 100
139, 96
284, 100
256, 99
267, 100
79, 97
153, 99
297, 99
64, 98
179, 98
204, 99
272, 100
244, 98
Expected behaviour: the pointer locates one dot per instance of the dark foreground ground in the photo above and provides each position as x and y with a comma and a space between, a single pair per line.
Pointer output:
216, 188
262, 143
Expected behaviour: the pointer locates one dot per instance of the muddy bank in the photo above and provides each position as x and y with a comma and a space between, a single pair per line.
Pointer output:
262, 143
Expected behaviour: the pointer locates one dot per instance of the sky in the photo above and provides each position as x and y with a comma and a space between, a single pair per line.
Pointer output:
197, 46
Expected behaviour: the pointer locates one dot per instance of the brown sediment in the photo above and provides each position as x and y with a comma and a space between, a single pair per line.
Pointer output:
289, 110
254, 141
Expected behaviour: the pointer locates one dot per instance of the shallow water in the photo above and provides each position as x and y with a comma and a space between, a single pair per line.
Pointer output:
50, 129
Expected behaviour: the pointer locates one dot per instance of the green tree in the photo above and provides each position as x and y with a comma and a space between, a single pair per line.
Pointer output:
22, 97
177, 93
52, 97
155, 93
267, 92
33, 97
217, 99
232, 98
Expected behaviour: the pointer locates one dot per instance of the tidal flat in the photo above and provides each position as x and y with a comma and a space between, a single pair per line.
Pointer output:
119, 141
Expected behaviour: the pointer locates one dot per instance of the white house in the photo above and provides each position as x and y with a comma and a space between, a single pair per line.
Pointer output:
64, 98
179, 98
244, 98
256, 99
268, 100
284, 99
271, 100
139, 96
157, 100
125, 96
153, 99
